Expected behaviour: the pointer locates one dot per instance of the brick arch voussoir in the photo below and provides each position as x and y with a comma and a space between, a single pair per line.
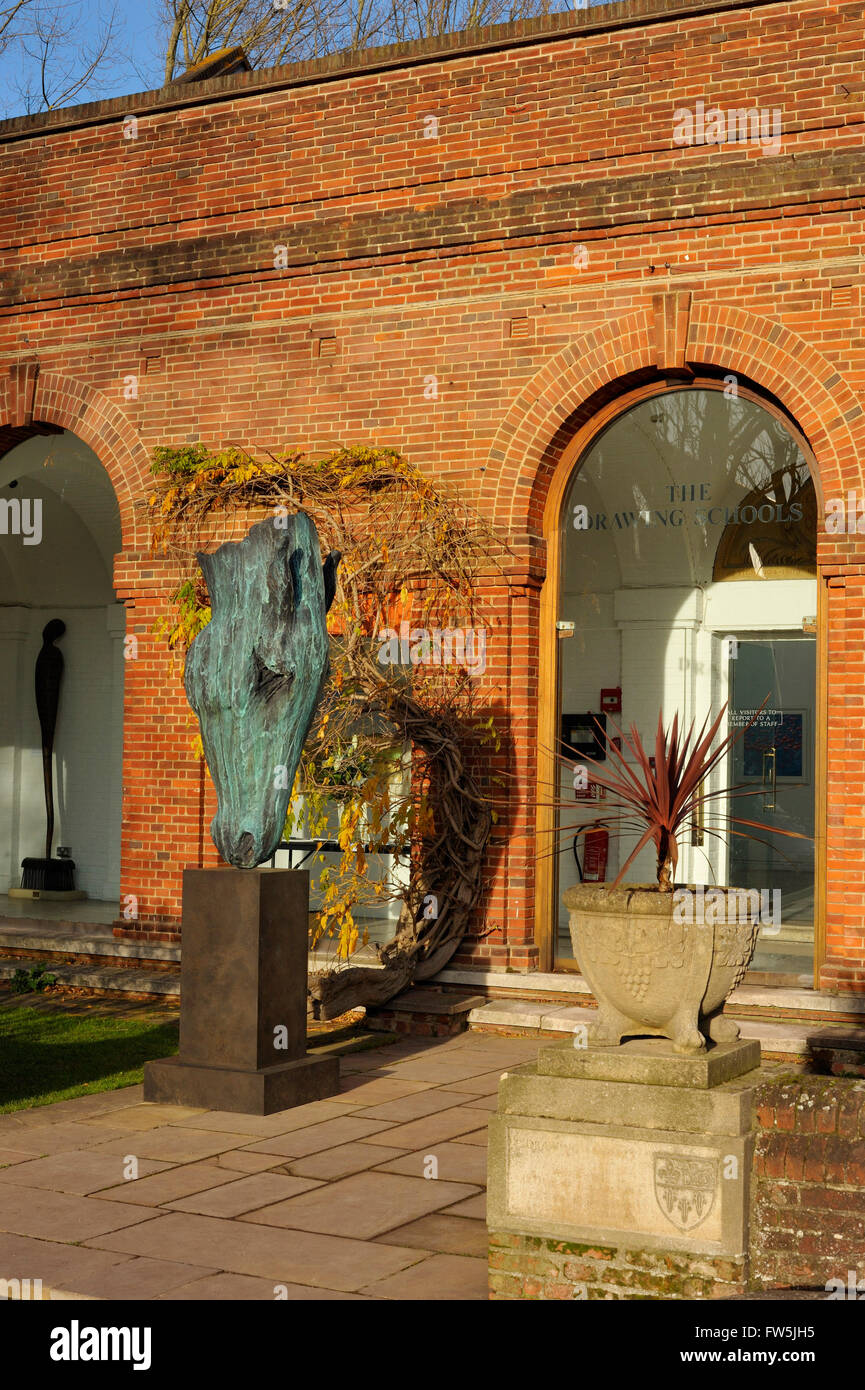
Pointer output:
805, 382
95, 420
534, 433
531, 437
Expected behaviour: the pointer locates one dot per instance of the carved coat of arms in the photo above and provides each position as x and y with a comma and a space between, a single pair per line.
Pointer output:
685, 1188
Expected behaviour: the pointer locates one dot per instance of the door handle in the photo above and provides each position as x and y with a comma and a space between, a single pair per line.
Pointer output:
769, 779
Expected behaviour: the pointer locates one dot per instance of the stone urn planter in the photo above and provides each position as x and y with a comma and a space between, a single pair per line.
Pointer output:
653, 975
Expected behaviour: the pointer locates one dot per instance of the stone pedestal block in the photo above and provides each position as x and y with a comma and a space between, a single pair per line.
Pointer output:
243, 997
635, 1150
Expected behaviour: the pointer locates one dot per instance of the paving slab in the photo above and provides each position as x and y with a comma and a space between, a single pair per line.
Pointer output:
367, 1062
265, 1126
454, 1163
34, 1211
43, 1139
441, 1278
240, 1247
76, 1108
169, 1185
9, 1156
124, 1095
176, 1143
489, 1103
447, 1235
148, 1115
381, 1088
365, 1205
511, 1050
433, 1128
485, 1085
441, 1072
324, 1201
340, 1162
314, 1138
81, 1171
130, 1279
246, 1194
414, 1107
494, 1049
57, 1265
21, 1119
478, 1137
236, 1288
410, 1047
472, 1206
241, 1161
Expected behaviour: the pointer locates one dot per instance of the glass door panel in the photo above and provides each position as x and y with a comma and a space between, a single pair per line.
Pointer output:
773, 763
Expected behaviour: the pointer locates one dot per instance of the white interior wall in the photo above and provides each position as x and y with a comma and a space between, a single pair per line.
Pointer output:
68, 576
647, 615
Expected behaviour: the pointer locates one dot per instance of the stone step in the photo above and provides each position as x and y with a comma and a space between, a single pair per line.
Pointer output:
104, 979
425, 1013
554, 992
78, 945
779, 1038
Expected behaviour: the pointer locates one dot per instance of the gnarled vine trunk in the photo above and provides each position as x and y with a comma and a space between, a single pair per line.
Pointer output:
452, 865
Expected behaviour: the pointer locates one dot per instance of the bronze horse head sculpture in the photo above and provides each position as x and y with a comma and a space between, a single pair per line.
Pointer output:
254, 675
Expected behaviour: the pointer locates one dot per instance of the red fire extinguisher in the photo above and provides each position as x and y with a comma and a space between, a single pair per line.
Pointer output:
595, 850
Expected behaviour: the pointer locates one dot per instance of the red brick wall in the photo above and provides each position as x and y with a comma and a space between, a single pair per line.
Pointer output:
536, 1268
154, 256
807, 1216
808, 1197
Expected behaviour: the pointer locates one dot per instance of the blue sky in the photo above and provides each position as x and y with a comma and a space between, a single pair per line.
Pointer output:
134, 63
136, 58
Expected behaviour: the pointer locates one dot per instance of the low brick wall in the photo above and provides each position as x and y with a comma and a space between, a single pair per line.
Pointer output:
807, 1223
416, 1025
532, 1267
808, 1196
425, 1013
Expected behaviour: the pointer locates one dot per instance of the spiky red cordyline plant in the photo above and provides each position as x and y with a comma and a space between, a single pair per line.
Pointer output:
663, 800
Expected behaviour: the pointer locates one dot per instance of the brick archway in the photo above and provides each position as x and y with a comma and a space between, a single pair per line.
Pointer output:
670, 336
30, 398
665, 335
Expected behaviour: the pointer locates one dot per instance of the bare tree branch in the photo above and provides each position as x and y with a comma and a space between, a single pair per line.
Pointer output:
8, 14
55, 64
280, 31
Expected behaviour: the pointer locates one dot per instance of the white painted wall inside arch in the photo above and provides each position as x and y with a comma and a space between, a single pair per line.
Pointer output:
638, 586
67, 576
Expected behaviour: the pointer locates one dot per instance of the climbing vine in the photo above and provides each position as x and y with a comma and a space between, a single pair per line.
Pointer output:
399, 752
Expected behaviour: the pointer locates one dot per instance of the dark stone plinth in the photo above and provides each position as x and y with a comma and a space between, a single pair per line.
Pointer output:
243, 997
243, 1092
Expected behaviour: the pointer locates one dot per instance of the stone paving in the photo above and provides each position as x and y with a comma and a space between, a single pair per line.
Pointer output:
331, 1200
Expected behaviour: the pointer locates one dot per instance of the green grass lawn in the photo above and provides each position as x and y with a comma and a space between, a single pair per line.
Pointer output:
48, 1055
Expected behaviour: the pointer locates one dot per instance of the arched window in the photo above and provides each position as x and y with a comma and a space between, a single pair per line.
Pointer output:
688, 572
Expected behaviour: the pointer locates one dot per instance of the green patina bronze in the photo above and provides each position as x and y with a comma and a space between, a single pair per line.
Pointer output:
254, 676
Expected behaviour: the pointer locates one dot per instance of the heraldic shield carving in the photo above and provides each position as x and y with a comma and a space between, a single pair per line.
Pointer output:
685, 1188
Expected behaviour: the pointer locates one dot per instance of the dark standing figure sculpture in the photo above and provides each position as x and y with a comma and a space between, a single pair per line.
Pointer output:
49, 875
